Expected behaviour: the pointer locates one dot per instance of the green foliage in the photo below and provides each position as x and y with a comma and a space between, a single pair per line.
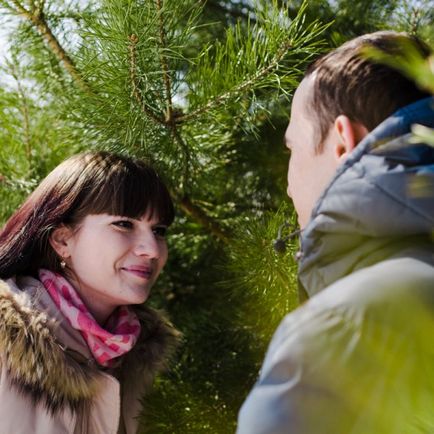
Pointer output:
130, 76
351, 19
225, 342
260, 275
250, 54
29, 133
415, 17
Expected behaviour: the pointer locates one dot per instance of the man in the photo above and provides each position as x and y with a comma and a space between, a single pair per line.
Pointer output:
358, 356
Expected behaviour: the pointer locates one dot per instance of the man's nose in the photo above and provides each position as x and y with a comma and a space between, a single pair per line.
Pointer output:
288, 191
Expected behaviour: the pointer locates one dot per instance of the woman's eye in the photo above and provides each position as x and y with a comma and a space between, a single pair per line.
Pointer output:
160, 231
123, 224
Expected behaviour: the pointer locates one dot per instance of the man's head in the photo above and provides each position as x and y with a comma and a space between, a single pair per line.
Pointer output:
343, 96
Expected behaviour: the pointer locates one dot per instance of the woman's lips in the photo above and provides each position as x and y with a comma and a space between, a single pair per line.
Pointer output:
144, 273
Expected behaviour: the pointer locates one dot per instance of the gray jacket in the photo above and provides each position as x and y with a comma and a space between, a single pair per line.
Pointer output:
358, 356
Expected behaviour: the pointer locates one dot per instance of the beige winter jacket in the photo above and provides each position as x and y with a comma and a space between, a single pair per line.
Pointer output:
49, 383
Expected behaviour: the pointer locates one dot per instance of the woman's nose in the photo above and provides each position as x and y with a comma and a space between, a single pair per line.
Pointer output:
147, 246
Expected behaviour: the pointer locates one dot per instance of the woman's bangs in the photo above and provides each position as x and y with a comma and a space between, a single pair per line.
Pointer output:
136, 193
123, 187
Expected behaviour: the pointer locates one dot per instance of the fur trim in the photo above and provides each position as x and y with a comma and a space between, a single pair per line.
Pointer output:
158, 341
40, 367
37, 364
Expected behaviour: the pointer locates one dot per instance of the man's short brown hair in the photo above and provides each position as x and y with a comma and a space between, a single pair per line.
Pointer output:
347, 82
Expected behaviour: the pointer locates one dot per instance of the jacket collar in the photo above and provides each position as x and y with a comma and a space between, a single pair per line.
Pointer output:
50, 362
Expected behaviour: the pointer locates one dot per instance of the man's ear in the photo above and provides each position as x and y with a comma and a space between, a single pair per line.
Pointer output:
349, 134
60, 240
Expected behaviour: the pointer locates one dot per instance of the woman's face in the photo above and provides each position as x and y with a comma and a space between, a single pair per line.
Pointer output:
113, 260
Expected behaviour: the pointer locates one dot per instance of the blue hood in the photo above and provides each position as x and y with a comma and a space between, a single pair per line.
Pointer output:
380, 201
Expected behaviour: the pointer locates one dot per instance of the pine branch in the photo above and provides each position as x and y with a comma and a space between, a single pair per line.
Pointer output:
43, 28
165, 65
185, 203
415, 20
199, 215
19, 7
186, 151
170, 114
168, 122
37, 19
221, 99
134, 82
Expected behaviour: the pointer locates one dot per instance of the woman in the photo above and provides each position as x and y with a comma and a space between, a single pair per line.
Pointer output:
78, 348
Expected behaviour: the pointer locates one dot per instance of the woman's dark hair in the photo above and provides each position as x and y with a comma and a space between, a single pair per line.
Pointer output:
88, 183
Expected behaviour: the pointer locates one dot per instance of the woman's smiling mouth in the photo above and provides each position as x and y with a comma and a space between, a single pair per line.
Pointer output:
141, 272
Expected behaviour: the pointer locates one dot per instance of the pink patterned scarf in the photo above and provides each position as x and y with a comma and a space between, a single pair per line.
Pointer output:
123, 326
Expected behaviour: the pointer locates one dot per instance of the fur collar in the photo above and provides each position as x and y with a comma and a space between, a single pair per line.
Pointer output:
39, 366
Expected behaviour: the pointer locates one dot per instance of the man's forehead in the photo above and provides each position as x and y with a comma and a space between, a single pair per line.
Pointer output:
303, 93
300, 117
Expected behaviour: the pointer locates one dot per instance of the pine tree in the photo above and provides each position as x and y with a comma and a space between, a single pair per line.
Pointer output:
159, 80
201, 89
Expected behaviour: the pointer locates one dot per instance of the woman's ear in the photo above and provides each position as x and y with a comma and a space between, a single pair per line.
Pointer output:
349, 134
60, 240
